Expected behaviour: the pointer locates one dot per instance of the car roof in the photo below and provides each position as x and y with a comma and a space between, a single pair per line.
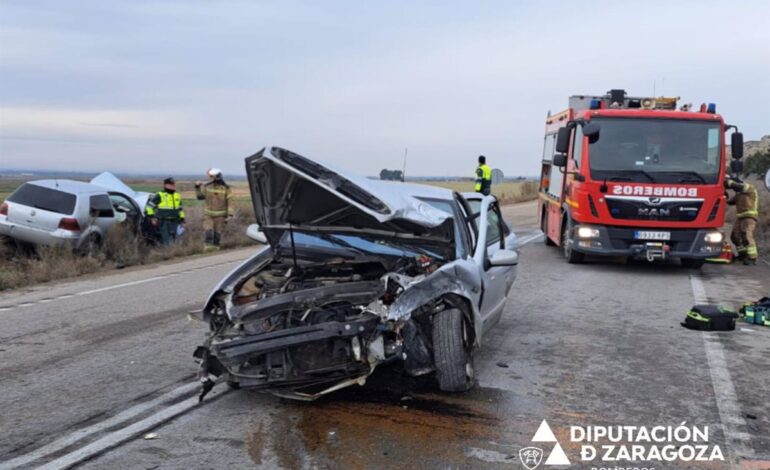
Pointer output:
69, 186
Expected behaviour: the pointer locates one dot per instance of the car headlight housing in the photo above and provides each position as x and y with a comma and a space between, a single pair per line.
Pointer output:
714, 237
587, 232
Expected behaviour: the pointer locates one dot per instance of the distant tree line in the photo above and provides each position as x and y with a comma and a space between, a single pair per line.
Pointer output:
391, 175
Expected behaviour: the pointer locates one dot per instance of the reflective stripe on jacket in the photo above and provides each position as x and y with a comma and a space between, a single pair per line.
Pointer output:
483, 178
165, 205
218, 197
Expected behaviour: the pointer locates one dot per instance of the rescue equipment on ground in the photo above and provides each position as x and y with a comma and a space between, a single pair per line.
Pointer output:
757, 313
708, 317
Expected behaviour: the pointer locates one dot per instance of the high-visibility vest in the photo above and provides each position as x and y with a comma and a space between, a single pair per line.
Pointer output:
165, 205
483, 179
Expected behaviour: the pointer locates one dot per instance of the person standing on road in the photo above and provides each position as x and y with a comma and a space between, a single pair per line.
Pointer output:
746, 202
164, 209
483, 177
218, 205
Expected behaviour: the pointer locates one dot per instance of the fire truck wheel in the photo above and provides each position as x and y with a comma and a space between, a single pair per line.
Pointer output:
692, 263
544, 228
572, 256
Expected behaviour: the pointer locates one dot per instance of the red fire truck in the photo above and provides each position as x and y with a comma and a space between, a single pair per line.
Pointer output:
635, 177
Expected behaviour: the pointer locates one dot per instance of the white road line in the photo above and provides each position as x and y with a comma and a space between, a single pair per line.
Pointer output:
118, 286
730, 415
531, 238
120, 436
76, 436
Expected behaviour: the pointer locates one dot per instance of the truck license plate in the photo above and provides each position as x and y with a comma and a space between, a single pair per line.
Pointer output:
646, 235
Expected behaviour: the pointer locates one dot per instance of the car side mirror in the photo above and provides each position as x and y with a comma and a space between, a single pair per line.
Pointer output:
592, 130
504, 258
736, 145
736, 167
255, 233
560, 160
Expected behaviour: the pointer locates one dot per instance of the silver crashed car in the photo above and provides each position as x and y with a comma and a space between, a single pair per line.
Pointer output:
67, 212
355, 273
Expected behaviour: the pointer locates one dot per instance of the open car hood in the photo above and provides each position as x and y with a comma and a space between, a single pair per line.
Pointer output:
112, 183
292, 191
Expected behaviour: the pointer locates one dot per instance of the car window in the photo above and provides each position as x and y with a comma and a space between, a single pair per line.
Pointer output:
493, 219
100, 206
120, 202
44, 198
449, 207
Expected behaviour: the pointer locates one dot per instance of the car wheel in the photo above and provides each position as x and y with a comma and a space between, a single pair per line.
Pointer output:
91, 246
572, 256
452, 351
544, 228
692, 263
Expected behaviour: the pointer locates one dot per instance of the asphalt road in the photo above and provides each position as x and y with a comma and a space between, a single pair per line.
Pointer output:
98, 373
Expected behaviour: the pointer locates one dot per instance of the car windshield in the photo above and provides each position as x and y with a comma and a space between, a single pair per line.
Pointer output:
656, 151
355, 244
47, 199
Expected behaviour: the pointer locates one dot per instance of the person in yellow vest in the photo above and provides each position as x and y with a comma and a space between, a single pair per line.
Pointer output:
218, 206
483, 177
164, 209
746, 202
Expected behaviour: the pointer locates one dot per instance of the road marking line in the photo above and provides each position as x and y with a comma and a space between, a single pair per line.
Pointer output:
76, 436
118, 286
120, 436
730, 415
528, 239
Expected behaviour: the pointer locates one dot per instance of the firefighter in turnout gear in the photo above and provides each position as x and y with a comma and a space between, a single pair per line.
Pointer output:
164, 210
218, 206
483, 177
746, 202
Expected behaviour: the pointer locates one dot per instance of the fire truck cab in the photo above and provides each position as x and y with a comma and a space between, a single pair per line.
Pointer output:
635, 177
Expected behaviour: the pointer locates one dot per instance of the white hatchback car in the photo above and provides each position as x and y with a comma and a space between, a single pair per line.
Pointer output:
74, 213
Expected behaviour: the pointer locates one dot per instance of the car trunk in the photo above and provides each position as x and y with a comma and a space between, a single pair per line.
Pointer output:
39, 207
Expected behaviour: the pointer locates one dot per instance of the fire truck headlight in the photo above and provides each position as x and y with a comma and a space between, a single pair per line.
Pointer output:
714, 237
587, 232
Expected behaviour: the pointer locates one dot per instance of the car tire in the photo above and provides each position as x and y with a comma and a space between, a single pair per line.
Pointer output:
572, 256
544, 228
692, 263
91, 245
452, 353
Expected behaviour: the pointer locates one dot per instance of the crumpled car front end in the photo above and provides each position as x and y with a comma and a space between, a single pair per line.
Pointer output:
303, 330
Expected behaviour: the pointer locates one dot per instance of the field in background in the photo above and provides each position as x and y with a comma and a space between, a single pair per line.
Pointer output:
508, 192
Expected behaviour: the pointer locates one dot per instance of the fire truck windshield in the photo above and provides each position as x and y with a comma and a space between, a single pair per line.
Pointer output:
656, 150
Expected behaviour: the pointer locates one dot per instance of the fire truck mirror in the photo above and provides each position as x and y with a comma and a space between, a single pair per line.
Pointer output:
562, 141
560, 160
736, 167
591, 130
736, 145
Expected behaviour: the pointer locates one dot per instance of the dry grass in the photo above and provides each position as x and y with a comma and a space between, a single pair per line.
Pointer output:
508, 192
121, 248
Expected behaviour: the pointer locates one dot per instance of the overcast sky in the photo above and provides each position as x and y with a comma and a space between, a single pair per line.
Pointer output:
131, 86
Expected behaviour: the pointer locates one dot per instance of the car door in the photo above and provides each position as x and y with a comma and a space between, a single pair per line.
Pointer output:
126, 210
100, 212
496, 279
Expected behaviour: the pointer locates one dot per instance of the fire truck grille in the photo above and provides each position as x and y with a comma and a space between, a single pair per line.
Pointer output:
648, 209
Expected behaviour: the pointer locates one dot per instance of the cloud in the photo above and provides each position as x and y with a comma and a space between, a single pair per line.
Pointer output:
183, 85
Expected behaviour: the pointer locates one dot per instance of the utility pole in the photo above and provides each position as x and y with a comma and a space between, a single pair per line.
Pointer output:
403, 169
